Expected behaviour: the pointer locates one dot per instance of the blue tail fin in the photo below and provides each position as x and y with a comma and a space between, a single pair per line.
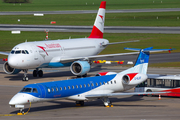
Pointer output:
143, 56
142, 61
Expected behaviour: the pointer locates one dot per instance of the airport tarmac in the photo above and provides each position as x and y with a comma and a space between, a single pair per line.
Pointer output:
125, 107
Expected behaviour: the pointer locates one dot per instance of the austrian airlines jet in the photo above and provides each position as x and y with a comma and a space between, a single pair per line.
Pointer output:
89, 88
76, 53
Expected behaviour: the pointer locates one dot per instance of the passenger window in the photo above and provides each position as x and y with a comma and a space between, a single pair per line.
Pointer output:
80, 86
100, 83
96, 84
92, 84
107, 82
56, 89
49, 90
84, 85
35, 90
88, 85
69, 87
76, 86
52, 89
23, 52
60, 88
111, 82
72, 87
104, 83
115, 81
64, 88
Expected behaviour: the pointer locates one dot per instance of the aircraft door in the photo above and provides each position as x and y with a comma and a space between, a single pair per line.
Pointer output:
92, 84
35, 52
43, 90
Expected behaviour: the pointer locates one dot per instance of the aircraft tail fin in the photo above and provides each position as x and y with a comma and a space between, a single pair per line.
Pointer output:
98, 28
142, 61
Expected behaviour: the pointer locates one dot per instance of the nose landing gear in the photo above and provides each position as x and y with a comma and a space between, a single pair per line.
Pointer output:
25, 78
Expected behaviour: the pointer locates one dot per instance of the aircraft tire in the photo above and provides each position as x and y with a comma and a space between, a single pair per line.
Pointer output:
40, 73
25, 79
34, 73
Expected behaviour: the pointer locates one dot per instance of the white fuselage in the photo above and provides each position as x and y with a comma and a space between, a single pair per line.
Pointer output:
49, 53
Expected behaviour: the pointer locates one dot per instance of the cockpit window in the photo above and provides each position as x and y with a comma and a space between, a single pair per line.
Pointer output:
26, 90
23, 52
35, 90
12, 52
26, 52
18, 52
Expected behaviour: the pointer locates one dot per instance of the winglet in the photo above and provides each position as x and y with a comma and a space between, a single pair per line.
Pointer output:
98, 28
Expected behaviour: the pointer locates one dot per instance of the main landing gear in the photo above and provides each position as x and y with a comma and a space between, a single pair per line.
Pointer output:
107, 102
85, 75
37, 73
79, 103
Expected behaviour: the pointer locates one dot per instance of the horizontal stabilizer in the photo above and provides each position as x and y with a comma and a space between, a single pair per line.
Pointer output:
150, 49
122, 42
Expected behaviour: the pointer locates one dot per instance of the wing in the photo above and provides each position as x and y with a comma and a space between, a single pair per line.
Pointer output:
122, 94
169, 77
65, 60
4, 53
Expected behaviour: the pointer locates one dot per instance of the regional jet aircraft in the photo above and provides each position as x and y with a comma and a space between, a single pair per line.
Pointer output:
89, 88
76, 53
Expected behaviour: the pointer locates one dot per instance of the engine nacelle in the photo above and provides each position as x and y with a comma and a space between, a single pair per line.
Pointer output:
133, 78
105, 73
80, 68
9, 70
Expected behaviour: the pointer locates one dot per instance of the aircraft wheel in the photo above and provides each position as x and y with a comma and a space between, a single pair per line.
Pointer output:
25, 79
40, 73
35, 73
85, 75
82, 103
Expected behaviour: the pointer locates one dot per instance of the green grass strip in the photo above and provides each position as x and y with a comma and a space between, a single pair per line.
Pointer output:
52, 5
112, 19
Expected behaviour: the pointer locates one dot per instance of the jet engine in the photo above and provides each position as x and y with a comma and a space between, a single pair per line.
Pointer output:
80, 68
9, 70
133, 78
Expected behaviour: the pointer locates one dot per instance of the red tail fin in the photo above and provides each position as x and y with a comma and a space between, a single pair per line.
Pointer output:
98, 28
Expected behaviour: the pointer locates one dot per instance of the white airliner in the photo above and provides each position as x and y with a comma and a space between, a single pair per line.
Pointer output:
89, 88
76, 53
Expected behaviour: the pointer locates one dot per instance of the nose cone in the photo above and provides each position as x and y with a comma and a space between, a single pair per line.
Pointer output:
18, 99
13, 61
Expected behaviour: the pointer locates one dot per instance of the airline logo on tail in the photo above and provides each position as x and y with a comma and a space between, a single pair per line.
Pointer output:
98, 28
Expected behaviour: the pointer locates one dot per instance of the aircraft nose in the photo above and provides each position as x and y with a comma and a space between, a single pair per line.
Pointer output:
12, 61
17, 99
